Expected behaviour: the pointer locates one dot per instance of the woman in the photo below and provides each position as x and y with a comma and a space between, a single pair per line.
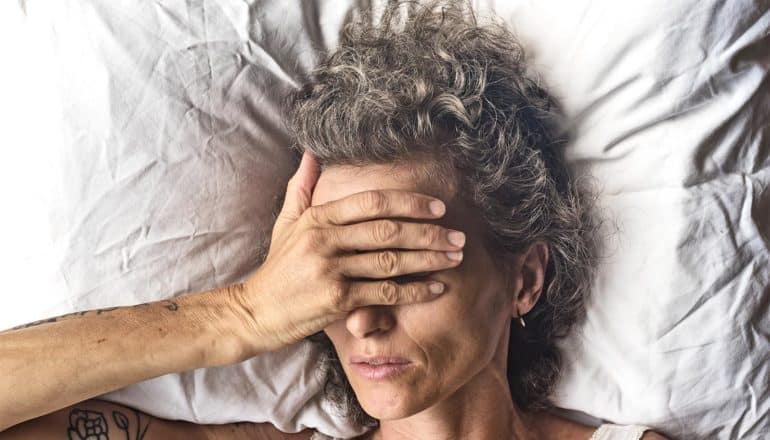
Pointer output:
439, 165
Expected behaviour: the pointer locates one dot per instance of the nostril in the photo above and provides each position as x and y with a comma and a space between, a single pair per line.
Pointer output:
370, 320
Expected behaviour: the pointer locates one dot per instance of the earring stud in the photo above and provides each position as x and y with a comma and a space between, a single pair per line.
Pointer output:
521, 318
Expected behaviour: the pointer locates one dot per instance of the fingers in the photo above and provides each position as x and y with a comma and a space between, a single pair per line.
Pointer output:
361, 294
367, 205
387, 233
392, 263
299, 189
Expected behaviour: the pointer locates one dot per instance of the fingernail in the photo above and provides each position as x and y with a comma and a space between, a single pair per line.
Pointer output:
456, 256
437, 207
457, 238
436, 287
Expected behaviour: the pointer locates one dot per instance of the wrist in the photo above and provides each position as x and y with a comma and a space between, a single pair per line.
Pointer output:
253, 337
225, 339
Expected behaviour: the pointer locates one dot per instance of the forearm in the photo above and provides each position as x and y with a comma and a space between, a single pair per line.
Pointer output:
55, 363
95, 419
101, 420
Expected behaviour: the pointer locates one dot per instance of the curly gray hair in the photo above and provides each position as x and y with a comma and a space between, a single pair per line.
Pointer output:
433, 82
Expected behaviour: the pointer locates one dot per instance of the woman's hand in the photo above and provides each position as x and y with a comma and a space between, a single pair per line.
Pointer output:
308, 278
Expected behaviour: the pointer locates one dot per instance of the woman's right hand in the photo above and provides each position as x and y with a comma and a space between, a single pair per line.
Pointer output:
308, 280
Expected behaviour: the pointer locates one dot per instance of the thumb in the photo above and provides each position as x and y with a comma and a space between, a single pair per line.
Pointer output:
299, 191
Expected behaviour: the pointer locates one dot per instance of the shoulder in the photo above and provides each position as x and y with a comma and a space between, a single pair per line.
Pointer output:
610, 431
256, 431
266, 431
315, 435
623, 432
548, 425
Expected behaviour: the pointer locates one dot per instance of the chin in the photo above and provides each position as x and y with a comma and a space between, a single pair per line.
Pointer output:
391, 406
385, 412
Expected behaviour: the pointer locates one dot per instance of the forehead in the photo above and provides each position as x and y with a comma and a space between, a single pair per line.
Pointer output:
339, 181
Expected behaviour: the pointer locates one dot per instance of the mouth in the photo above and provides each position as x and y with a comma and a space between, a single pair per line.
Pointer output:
379, 360
379, 367
380, 371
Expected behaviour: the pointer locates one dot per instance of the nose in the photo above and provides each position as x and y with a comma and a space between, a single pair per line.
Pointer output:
367, 321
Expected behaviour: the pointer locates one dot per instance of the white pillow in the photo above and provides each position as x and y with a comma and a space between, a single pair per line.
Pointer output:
143, 159
148, 151
670, 103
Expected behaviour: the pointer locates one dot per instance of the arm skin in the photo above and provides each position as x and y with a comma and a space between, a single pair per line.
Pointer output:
120, 422
117, 422
86, 354
61, 361
551, 426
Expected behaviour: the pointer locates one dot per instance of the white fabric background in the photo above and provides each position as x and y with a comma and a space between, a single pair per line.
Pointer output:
671, 107
144, 150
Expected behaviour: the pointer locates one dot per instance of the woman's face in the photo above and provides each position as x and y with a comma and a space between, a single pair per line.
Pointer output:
448, 340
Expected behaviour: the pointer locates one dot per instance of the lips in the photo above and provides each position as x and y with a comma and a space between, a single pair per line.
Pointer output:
380, 367
383, 372
379, 360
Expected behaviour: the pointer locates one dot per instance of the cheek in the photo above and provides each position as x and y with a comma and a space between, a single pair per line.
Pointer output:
336, 333
455, 334
472, 315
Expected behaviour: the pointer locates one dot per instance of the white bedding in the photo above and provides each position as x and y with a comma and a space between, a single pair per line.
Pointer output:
144, 149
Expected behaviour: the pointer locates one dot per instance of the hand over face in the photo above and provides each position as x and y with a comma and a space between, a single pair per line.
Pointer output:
318, 254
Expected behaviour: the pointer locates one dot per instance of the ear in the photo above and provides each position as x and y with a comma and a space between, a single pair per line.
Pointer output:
529, 277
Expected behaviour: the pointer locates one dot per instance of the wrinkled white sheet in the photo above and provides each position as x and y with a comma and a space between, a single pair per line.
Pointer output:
671, 105
144, 149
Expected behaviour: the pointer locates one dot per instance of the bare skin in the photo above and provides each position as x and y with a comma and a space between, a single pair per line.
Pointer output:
86, 354
456, 386
319, 246
458, 344
141, 426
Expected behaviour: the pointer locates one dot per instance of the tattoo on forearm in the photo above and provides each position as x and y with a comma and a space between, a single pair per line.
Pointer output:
87, 425
168, 305
47, 320
91, 425
122, 422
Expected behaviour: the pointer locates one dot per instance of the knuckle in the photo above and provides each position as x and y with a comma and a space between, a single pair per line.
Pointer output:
387, 261
416, 204
389, 292
330, 236
433, 259
417, 291
314, 214
322, 268
373, 202
385, 231
316, 239
432, 233
331, 265
338, 295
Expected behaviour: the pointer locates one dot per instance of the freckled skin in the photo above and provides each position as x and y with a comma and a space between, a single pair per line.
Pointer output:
457, 341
